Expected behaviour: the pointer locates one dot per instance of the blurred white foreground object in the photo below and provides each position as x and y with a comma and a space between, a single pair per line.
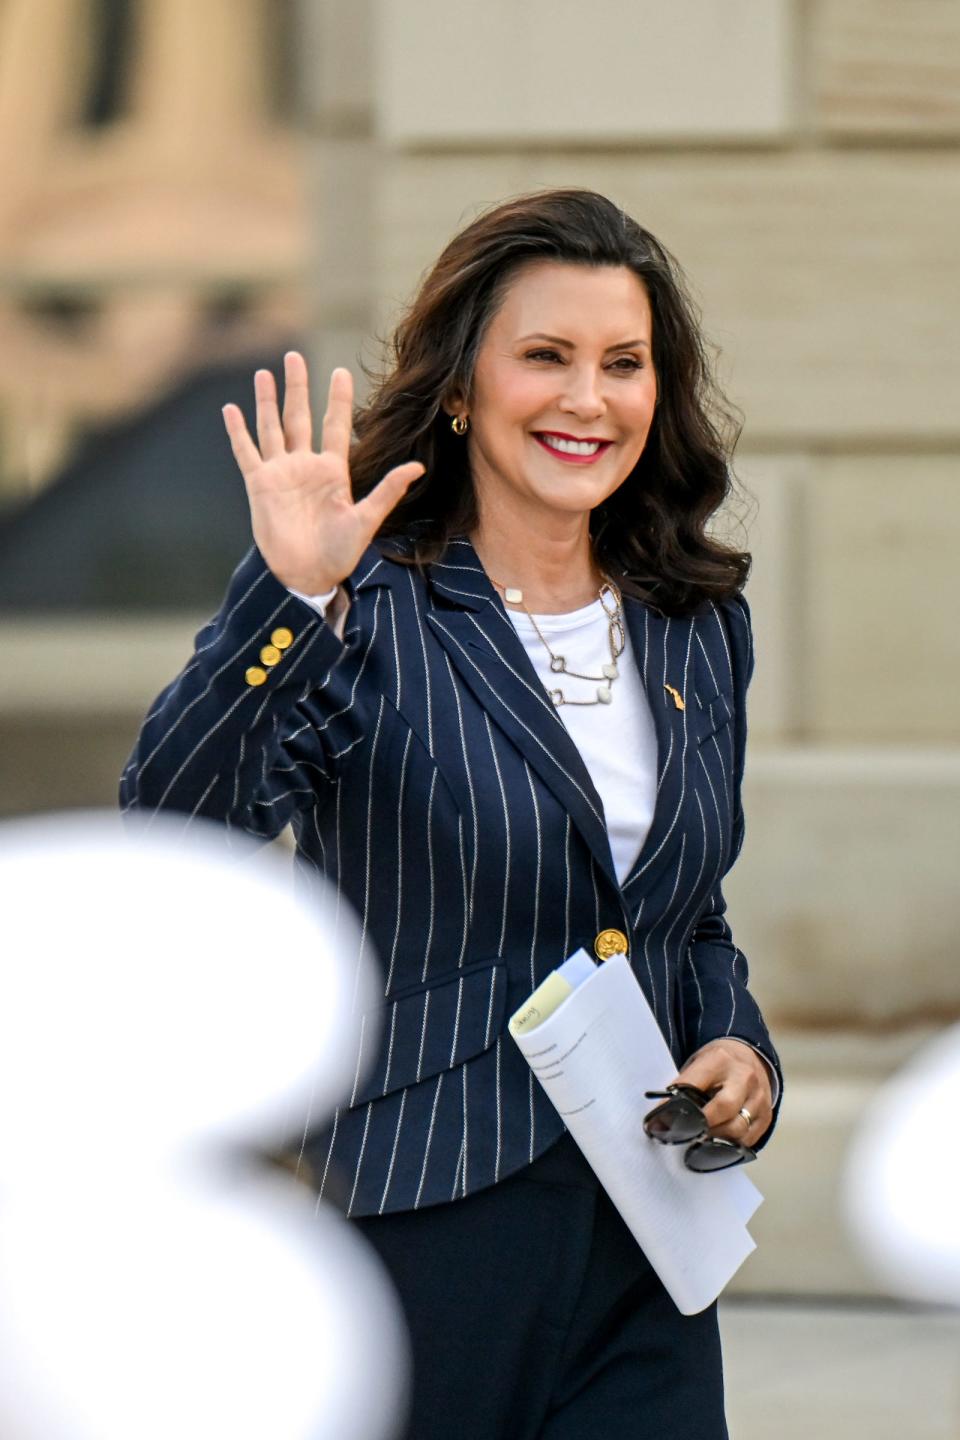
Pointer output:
193, 1312
902, 1183
162, 1005
156, 991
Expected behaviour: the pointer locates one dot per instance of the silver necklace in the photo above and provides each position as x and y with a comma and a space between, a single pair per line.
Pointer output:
612, 602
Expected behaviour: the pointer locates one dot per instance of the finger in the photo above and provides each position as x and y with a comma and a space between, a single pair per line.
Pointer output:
338, 420
376, 506
707, 1071
297, 424
732, 1071
269, 429
245, 452
742, 1133
741, 1128
729, 1081
723, 1110
739, 1090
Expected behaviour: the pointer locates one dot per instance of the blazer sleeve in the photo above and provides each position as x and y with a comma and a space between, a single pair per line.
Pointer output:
716, 998
249, 754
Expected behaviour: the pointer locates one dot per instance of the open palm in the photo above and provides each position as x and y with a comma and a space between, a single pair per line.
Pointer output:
305, 522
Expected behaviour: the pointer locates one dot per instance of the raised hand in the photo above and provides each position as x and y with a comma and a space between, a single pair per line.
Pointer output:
305, 522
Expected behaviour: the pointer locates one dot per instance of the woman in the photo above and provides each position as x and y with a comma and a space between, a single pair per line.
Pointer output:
499, 693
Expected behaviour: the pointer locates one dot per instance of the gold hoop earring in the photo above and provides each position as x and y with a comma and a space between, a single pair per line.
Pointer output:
459, 424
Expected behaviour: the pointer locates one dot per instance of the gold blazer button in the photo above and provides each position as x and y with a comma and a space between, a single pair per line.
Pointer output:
270, 654
282, 638
610, 942
255, 676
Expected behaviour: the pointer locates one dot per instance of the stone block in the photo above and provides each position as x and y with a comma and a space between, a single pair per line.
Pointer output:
334, 345
422, 202
343, 180
770, 507
827, 278
880, 68
844, 897
805, 1245
881, 596
335, 64
509, 73
99, 666
51, 762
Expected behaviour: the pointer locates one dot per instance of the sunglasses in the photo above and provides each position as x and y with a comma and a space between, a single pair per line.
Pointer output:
680, 1121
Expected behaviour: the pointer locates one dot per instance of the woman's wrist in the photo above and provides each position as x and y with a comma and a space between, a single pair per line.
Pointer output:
318, 600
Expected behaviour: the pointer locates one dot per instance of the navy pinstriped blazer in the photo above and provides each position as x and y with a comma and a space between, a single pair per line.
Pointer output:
429, 777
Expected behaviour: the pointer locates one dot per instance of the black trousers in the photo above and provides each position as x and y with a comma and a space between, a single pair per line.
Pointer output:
534, 1315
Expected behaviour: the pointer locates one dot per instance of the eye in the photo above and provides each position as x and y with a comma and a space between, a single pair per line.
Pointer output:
626, 364
542, 355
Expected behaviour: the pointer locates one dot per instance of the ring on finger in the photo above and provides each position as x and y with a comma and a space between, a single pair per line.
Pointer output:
746, 1115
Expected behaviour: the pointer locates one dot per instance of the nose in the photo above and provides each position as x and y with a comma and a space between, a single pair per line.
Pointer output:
583, 392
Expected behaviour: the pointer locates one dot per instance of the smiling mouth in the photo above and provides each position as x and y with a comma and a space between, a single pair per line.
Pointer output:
566, 448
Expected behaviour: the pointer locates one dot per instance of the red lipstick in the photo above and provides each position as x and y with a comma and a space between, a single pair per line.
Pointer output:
544, 437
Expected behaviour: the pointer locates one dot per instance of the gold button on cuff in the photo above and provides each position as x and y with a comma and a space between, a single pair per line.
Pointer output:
610, 942
270, 654
255, 676
282, 638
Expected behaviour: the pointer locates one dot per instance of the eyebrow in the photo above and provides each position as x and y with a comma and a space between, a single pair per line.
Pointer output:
559, 340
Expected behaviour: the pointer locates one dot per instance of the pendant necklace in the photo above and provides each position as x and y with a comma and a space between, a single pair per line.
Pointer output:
612, 603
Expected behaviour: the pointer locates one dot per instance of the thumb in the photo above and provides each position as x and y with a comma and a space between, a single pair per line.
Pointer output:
375, 507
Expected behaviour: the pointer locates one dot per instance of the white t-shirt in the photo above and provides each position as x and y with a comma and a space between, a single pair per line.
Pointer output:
618, 742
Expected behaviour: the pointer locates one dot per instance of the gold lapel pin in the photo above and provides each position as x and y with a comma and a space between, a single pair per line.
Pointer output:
677, 697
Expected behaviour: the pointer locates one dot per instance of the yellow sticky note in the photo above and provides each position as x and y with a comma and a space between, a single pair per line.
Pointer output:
541, 1004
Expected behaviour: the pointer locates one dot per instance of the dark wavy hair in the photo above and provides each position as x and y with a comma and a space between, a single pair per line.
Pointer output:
651, 533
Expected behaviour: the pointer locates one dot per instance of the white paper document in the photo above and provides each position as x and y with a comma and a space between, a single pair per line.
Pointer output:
595, 1054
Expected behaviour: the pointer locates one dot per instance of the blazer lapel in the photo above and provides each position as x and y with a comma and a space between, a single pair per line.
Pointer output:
663, 648
468, 618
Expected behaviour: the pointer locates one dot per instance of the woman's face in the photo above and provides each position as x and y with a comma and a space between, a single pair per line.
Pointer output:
564, 390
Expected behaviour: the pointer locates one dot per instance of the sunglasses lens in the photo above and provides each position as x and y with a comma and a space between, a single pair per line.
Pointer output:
707, 1155
675, 1122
